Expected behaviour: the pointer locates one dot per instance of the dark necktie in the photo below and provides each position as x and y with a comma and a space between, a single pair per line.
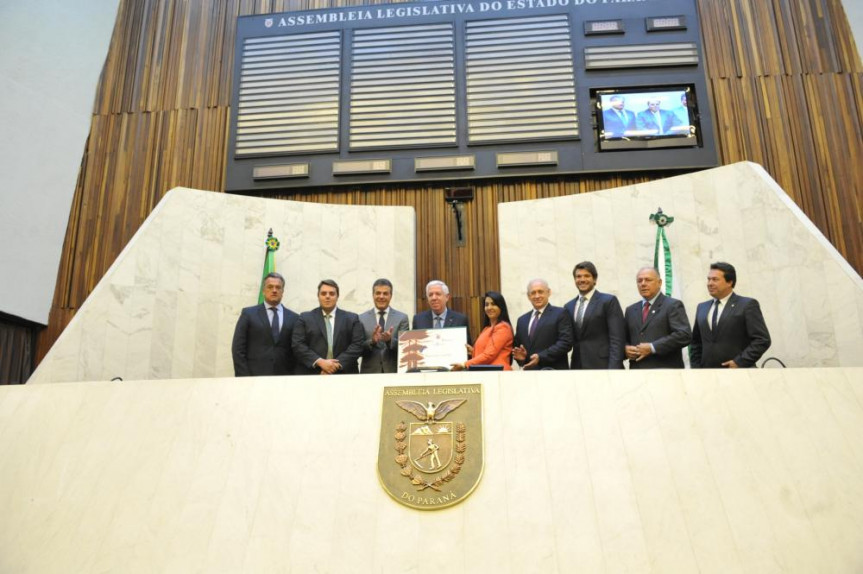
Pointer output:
579, 314
275, 324
532, 329
645, 311
715, 315
381, 325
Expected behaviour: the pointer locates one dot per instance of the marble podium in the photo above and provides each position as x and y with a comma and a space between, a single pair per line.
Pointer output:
667, 471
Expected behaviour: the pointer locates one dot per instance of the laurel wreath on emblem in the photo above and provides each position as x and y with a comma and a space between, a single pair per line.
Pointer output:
404, 462
272, 244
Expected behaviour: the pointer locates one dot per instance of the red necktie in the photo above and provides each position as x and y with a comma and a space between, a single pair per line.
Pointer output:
644, 311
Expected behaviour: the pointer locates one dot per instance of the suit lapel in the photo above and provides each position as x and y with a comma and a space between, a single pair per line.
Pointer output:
538, 324
654, 309
590, 311
702, 317
390, 322
728, 312
262, 316
337, 328
318, 315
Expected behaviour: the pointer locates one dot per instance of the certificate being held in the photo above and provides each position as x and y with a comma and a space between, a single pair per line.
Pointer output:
432, 349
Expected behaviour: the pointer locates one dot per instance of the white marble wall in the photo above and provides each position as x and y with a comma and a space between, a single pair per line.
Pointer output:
167, 307
811, 298
666, 471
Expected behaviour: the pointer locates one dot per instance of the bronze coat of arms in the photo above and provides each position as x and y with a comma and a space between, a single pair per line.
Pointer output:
430, 453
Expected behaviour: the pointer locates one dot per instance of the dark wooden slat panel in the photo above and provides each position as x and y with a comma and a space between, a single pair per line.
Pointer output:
17, 347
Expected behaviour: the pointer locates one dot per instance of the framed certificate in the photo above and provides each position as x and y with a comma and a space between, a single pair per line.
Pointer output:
431, 349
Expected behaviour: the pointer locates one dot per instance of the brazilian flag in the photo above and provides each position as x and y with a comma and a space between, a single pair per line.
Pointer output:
269, 262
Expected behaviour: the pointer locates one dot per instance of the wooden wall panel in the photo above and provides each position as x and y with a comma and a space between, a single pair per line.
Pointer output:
785, 79
17, 346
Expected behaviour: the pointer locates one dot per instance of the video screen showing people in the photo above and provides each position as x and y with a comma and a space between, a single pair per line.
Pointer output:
648, 114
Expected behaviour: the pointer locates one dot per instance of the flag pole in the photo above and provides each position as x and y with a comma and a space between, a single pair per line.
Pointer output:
272, 245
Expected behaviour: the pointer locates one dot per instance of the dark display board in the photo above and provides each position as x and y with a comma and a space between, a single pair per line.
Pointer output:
458, 90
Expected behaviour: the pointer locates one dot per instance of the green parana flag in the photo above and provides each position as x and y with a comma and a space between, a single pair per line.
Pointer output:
662, 250
269, 262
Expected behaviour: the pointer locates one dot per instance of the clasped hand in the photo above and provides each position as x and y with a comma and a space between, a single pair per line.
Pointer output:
638, 352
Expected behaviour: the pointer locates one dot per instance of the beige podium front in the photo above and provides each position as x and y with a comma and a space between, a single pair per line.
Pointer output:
666, 471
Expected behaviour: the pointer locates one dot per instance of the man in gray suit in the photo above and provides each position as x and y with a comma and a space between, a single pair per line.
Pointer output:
597, 323
262, 337
729, 330
327, 340
382, 325
657, 328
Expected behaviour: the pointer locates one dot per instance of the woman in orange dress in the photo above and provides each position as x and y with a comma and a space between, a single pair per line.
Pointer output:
494, 344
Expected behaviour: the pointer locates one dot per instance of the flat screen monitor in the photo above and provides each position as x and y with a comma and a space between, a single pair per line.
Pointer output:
646, 117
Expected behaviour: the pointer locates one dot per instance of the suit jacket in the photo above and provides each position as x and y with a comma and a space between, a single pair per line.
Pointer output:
667, 327
741, 334
309, 341
425, 320
599, 342
614, 126
646, 121
494, 347
254, 352
382, 357
552, 337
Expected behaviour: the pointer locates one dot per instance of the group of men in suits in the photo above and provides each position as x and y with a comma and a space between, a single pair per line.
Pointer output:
270, 339
617, 120
729, 329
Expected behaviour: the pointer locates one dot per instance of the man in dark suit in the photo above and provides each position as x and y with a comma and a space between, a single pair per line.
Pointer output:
657, 120
729, 330
616, 120
544, 335
657, 328
382, 325
262, 337
597, 323
327, 340
439, 316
